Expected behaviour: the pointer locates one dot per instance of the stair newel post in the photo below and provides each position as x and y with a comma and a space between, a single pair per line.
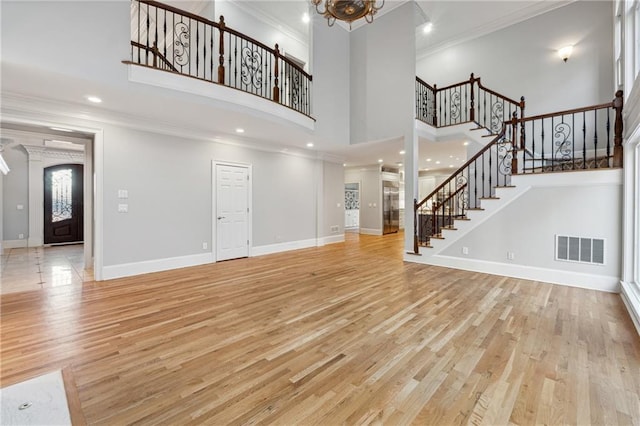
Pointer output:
415, 226
435, 110
617, 129
221, 28
514, 148
522, 141
276, 91
472, 111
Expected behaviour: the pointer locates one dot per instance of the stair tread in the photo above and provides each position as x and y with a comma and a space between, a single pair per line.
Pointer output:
478, 128
489, 198
505, 186
450, 228
462, 218
475, 208
437, 237
490, 135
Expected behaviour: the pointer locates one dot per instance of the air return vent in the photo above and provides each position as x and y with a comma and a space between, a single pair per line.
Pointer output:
580, 249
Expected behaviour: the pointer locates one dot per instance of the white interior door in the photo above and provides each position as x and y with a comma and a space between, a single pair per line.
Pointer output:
232, 212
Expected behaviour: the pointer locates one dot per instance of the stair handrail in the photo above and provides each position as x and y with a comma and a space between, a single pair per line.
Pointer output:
526, 144
456, 176
156, 55
188, 47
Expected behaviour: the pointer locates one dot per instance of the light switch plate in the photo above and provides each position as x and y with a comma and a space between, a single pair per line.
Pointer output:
123, 208
123, 193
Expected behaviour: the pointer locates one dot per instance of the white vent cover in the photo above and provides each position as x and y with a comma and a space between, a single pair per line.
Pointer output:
580, 249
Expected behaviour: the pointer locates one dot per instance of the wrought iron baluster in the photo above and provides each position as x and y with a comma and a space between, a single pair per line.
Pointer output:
148, 26
608, 138
595, 138
543, 162
584, 140
573, 141
483, 176
164, 34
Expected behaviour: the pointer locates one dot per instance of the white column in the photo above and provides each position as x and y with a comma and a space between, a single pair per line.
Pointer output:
36, 197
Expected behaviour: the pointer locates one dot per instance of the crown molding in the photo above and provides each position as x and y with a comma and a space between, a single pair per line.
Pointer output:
516, 17
38, 152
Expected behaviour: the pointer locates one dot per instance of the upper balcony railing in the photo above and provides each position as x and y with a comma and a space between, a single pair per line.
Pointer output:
465, 102
174, 40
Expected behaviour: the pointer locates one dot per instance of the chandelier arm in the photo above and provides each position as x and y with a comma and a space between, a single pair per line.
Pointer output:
377, 8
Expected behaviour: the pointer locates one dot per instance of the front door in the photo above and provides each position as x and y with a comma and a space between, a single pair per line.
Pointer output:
63, 204
232, 208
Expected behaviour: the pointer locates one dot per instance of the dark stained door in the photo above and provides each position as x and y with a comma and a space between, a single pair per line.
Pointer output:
63, 204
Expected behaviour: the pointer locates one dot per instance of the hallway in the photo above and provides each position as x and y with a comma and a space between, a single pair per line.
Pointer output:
35, 268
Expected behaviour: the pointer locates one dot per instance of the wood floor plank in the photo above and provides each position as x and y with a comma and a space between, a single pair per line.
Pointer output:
346, 333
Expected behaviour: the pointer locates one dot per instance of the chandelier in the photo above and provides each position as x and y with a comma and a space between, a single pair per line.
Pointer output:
347, 10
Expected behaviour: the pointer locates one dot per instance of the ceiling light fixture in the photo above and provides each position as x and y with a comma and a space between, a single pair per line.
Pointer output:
466, 143
380, 160
428, 27
437, 162
347, 10
310, 145
306, 18
94, 99
428, 159
402, 152
239, 130
565, 52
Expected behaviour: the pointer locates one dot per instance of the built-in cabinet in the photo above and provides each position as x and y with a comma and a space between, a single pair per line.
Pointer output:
352, 205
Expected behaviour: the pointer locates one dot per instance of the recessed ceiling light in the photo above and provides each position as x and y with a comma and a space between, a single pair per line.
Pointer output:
310, 145
426, 170
466, 143
458, 158
380, 160
239, 130
60, 129
451, 165
402, 152
306, 18
428, 159
428, 27
437, 162
344, 164
94, 99
399, 164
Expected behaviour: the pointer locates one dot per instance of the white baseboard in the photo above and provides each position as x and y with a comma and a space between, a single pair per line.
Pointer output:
35, 241
280, 247
10, 244
157, 265
370, 231
331, 239
630, 294
553, 276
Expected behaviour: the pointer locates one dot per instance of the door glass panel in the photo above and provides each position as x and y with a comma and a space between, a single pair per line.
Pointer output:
61, 184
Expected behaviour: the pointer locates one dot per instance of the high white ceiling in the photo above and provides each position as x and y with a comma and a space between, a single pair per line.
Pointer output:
452, 21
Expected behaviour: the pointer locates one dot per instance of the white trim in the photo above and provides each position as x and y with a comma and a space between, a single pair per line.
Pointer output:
280, 247
631, 299
18, 117
173, 81
332, 239
553, 276
156, 265
11, 244
214, 207
370, 231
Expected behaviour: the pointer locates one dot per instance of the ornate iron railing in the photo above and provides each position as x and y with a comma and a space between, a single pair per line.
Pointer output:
581, 138
462, 191
174, 40
464, 102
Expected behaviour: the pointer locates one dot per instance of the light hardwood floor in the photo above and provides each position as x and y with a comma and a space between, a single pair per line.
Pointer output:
346, 333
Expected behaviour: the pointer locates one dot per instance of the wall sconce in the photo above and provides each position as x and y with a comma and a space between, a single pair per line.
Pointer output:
565, 52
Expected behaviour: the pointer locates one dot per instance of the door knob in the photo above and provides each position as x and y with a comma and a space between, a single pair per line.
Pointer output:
220, 217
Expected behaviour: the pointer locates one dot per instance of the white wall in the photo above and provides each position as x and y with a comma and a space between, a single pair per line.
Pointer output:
170, 195
15, 192
333, 199
330, 82
370, 197
522, 60
383, 77
527, 227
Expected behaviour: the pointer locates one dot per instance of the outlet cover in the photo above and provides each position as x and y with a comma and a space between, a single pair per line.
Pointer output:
205, 246
465, 250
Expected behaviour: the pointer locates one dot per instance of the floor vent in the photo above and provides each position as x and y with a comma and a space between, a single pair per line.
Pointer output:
580, 249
